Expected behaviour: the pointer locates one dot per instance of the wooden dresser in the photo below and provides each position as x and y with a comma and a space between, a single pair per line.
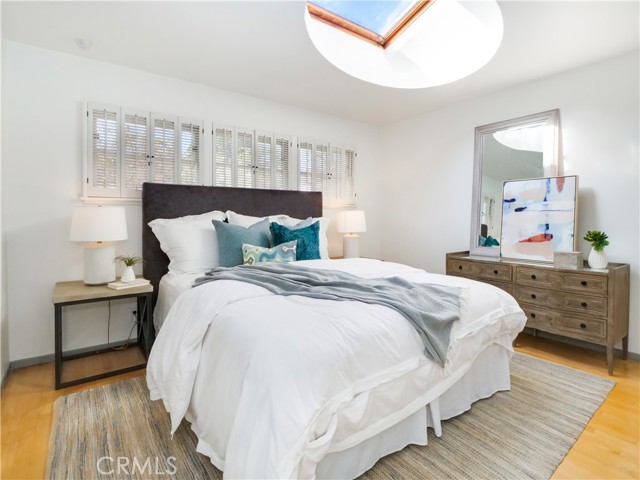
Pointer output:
585, 304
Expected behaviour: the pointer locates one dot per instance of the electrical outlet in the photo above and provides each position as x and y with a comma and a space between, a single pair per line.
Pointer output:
134, 315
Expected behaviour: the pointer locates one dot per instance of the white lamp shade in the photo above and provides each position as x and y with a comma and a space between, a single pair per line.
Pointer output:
98, 224
351, 221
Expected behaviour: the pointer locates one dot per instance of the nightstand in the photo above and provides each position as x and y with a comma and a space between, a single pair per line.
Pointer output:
76, 292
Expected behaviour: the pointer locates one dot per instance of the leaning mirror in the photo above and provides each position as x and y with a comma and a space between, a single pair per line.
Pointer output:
525, 147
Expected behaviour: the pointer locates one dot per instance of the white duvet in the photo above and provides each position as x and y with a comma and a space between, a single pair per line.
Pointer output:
271, 384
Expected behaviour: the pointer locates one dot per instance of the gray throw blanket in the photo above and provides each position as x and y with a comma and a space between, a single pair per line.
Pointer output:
431, 309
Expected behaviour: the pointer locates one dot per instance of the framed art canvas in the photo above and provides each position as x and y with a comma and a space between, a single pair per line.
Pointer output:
538, 217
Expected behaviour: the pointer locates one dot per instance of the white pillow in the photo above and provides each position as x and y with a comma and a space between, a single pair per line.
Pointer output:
246, 221
190, 242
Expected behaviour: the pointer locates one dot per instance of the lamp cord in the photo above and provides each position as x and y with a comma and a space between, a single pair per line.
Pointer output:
125, 345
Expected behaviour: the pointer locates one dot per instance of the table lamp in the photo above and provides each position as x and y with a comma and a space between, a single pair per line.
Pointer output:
351, 222
97, 225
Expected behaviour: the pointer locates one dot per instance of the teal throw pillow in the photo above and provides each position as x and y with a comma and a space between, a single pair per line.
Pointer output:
285, 252
232, 237
308, 239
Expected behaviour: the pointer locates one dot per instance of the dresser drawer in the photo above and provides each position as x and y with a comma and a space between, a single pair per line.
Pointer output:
483, 270
463, 268
566, 301
591, 284
495, 272
574, 327
570, 282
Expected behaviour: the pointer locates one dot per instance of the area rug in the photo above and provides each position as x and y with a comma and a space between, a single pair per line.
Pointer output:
115, 431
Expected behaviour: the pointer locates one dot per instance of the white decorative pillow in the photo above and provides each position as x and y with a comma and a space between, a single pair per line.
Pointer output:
246, 221
190, 242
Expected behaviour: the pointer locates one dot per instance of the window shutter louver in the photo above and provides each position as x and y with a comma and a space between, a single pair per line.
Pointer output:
104, 155
348, 180
244, 159
135, 152
333, 174
282, 160
320, 160
189, 157
163, 153
263, 163
223, 171
305, 166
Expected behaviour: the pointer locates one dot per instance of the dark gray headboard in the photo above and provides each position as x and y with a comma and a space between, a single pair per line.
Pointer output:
172, 201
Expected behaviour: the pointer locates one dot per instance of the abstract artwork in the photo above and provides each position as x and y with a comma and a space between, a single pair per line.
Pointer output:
538, 217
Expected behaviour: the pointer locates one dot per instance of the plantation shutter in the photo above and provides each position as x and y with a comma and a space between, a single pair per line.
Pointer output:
223, 157
320, 164
305, 166
282, 161
244, 158
340, 176
334, 166
103, 167
189, 152
264, 161
163, 149
347, 180
135, 152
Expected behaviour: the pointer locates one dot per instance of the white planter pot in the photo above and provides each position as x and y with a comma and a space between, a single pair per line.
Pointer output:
598, 259
128, 275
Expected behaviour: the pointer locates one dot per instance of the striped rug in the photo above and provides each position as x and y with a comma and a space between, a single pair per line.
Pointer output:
523, 433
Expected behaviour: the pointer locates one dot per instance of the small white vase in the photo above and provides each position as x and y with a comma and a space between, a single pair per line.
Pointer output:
128, 275
598, 259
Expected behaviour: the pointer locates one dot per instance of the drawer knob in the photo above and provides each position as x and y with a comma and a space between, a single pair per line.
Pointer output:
533, 315
533, 295
533, 277
584, 304
583, 325
495, 272
459, 267
583, 283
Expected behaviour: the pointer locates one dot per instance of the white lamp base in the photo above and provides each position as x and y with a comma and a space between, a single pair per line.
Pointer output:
351, 246
99, 265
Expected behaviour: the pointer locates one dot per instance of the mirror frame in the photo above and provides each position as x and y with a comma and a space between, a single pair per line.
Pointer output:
550, 118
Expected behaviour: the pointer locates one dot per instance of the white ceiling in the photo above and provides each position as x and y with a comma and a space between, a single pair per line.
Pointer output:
262, 48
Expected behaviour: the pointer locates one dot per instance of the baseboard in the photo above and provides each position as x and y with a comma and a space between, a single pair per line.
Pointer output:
42, 359
580, 343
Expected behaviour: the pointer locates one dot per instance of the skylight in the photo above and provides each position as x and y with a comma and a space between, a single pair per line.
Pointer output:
379, 22
425, 43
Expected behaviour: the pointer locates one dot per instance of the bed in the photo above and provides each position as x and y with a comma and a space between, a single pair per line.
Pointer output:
293, 387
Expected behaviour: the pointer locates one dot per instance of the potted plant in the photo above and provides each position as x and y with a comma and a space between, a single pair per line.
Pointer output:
598, 240
129, 261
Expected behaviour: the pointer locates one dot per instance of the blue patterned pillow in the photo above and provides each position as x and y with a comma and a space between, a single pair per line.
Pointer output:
232, 237
285, 252
308, 239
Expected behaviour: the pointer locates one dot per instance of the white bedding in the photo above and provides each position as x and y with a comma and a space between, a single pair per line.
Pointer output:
272, 384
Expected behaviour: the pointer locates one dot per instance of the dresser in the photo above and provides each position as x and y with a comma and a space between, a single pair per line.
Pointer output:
585, 304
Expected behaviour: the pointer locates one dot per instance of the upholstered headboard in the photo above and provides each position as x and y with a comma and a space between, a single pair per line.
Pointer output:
172, 201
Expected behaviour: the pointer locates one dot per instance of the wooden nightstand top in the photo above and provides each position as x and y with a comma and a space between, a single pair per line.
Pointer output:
75, 291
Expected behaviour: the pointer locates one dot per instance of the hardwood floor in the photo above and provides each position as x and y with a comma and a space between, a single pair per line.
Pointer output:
607, 449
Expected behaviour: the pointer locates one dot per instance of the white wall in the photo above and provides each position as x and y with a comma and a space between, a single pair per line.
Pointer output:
427, 164
42, 165
4, 317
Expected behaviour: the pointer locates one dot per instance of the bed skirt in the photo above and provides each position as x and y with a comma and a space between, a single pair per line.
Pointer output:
488, 374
